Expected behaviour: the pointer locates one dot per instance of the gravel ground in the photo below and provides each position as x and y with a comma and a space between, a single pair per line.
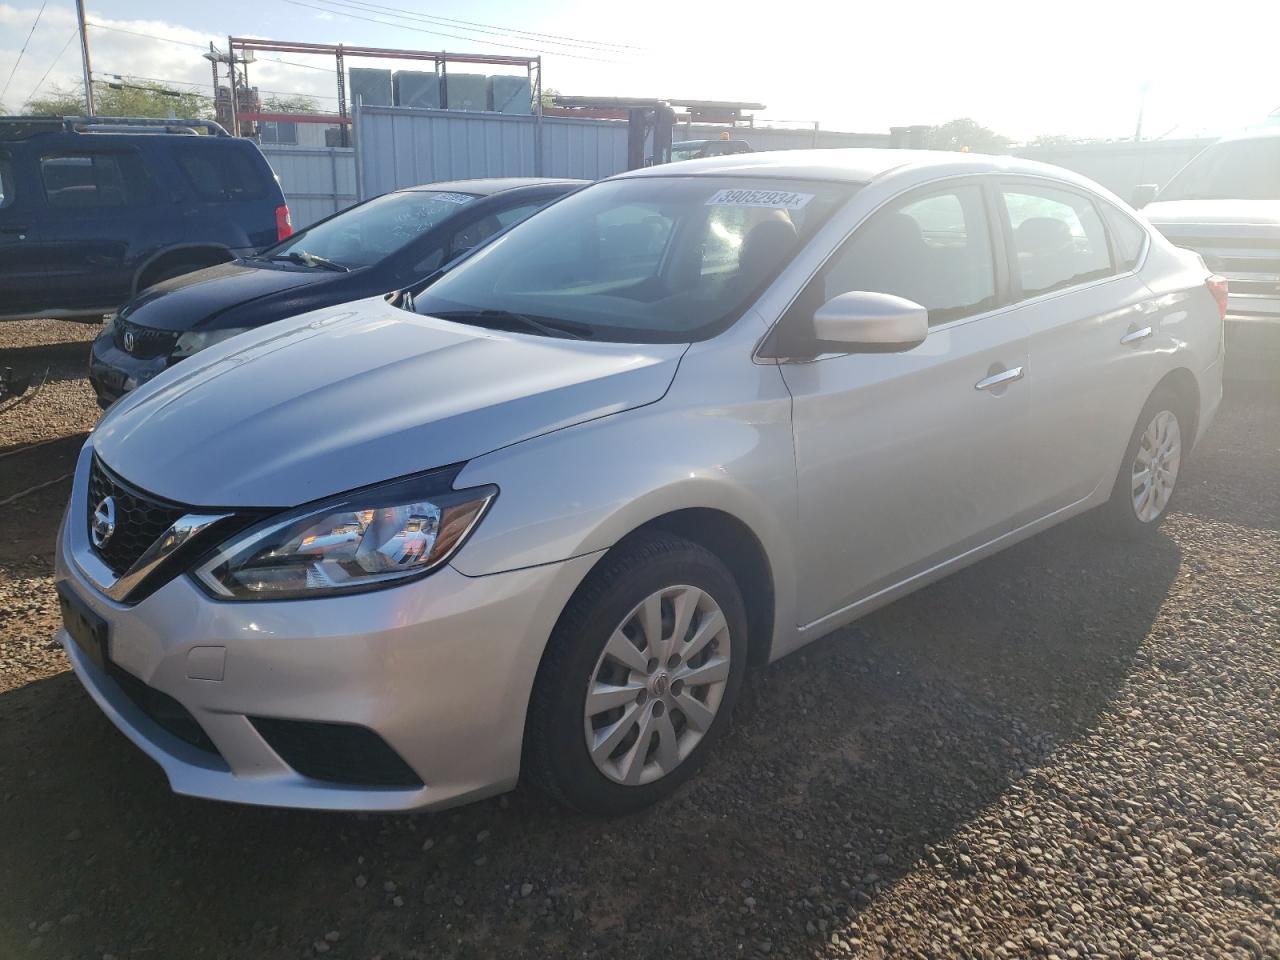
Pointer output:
1070, 750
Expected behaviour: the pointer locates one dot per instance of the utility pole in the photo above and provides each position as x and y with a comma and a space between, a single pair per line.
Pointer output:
1142, 106
84, 59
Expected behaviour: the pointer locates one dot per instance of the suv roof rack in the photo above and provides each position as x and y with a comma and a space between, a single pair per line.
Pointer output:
23, 128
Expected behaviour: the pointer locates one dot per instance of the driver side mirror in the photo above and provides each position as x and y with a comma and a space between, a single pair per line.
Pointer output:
863, 322
1143, 194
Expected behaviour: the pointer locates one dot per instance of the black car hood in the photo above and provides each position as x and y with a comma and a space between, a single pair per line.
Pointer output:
201, 300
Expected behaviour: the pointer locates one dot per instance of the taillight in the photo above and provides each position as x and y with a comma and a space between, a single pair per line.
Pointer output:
284, 224
1218, 287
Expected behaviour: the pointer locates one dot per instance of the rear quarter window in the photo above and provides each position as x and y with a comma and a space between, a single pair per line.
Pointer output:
216, 172
7, 185
1127, 238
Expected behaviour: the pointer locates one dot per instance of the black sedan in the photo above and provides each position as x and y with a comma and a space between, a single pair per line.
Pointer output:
375, 247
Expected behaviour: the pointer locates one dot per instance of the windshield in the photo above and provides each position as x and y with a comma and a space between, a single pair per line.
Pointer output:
1234, 170
641, 260
371, 232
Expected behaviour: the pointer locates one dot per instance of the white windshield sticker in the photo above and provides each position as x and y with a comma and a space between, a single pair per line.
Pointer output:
773, 199
453, 197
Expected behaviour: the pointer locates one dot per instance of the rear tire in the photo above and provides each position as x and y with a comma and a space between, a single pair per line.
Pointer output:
1147, 482
618, 718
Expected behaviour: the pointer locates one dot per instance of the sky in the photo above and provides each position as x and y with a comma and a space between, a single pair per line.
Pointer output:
1024, 68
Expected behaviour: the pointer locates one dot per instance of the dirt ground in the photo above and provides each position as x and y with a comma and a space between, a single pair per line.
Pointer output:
1069, 750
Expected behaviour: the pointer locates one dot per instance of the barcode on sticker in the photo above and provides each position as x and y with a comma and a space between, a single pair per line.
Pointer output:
773, 199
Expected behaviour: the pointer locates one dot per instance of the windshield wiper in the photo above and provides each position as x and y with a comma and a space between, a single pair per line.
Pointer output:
505, 318
310, 260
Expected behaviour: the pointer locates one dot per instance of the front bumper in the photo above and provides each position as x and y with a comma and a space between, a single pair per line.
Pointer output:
440, 669
113, 372
1252, 346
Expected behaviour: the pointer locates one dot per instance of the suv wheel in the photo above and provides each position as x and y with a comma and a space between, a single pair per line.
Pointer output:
639, 678
1149, 475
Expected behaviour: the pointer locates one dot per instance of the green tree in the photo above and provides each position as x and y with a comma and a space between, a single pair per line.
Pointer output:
125, 98
966, 134
292, 104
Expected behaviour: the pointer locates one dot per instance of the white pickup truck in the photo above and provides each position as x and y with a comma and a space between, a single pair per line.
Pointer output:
1225, 205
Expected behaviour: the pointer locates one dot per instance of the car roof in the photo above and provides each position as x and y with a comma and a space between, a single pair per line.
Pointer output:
487, 186
853, 165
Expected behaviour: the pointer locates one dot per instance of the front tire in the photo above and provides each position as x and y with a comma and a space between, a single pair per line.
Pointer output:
639, 678
1149, 474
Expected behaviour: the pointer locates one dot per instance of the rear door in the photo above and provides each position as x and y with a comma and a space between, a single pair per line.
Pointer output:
907, 460
23, 281
1091, 323
104, 215
233, 193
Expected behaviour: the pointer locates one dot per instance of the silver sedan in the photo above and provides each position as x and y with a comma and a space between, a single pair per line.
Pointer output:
543, 515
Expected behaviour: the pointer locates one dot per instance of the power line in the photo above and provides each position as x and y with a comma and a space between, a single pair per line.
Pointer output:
201, 46
39, 14
36, 89
193, 83
434, 33
496, 29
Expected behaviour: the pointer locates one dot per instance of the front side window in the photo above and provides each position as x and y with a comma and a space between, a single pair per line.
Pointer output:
1058, 238
364, 235
934, 250
641, 260
7, 184
1234, 170
81, 181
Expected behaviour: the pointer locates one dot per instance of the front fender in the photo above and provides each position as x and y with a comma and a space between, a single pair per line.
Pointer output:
720, 439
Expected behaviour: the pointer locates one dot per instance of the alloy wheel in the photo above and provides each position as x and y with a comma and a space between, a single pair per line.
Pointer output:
657, 685
1155, 466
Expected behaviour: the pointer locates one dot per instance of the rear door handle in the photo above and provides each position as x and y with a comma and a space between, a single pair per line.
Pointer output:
1004, 377
1136, 336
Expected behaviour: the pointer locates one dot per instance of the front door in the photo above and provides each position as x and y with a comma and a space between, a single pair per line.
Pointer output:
907, 460
24, 284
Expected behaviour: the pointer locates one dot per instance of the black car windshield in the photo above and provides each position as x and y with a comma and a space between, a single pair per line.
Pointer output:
640, 260
1233, 170
364, 235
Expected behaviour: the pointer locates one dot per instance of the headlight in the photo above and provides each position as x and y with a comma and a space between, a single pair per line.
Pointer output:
373, 537
193, 341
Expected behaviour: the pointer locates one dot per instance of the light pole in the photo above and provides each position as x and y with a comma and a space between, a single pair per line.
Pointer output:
1142, 106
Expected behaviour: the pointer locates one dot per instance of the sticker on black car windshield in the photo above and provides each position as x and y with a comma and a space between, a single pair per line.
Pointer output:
453, 197
772, 199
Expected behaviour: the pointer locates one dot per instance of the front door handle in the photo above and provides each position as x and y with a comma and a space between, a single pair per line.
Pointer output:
21, 230
1135, 336
1003, 378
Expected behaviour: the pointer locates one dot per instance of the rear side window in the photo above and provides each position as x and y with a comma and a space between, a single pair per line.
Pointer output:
83, 181
1127, 238
7, 185
1058, 238
934, 250
221, 173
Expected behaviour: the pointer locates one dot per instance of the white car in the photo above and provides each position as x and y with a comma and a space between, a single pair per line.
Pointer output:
673, 427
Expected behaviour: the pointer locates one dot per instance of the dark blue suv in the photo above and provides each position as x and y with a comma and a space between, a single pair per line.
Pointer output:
92, 210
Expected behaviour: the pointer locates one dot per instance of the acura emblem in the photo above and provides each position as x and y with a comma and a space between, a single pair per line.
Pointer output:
103, 524
128, 341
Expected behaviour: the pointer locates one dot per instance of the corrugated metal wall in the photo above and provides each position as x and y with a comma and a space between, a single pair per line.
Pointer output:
317, 181
1121, 166
399, 147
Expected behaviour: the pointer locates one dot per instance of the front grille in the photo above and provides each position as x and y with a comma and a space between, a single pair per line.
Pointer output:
144, 342
140, 519
167, 713
336, 752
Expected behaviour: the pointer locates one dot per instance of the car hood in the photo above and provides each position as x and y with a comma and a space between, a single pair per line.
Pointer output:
193, 301
354, 395
1206, 212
